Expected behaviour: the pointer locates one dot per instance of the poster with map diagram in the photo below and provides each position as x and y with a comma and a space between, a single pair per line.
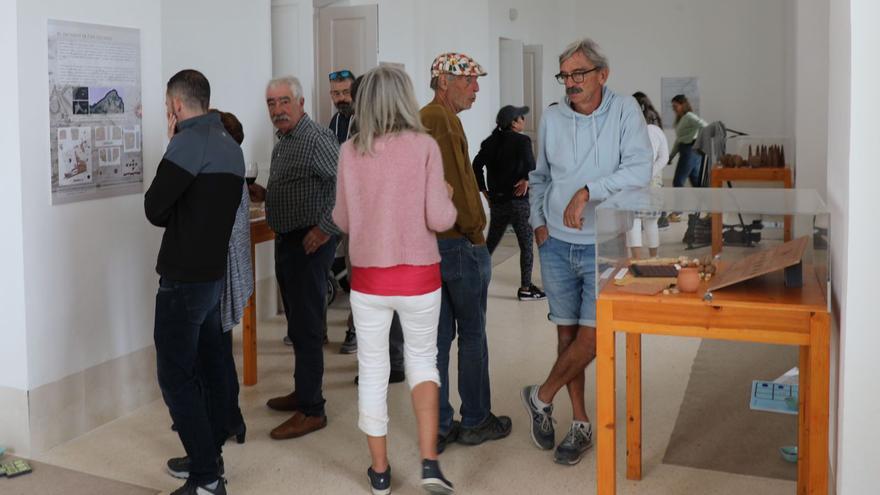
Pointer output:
94, 111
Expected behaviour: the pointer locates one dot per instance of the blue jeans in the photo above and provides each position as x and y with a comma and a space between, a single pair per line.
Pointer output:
466, 270
568, 272
192, 369
688, 167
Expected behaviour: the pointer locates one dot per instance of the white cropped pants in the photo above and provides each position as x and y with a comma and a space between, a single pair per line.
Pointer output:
419, 316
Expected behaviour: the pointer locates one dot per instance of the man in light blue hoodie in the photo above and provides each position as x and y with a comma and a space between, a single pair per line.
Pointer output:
592, 145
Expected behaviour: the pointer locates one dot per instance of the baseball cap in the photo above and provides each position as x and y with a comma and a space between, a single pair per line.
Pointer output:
457, 64
508, 114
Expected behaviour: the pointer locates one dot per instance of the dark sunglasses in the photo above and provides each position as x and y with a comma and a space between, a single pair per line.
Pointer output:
341, 74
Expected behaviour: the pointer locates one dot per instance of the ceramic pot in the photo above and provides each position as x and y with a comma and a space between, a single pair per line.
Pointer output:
688, 279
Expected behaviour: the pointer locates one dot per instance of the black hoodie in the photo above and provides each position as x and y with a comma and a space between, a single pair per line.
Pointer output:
508, 157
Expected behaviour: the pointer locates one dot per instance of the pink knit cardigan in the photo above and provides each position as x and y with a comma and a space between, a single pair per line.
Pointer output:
393, 202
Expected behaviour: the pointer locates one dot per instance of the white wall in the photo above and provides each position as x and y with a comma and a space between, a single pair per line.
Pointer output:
736, 49
811, 93
537, 23
236, 57
89, 278
644, 41
859, 442
230, 42
13, 352
838, 190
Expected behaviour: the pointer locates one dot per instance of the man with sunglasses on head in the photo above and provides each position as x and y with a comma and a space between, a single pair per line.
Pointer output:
465, 263
341, 94
592, 145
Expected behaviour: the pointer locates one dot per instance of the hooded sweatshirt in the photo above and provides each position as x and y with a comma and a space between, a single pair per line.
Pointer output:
607, 151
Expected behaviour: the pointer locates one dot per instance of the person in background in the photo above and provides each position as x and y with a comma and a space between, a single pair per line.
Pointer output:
465, 267
687, 127
342, 94
660, 147
194, 197
507, 156
391, 199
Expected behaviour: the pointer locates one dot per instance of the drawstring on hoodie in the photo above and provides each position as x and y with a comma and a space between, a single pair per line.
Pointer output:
595, 139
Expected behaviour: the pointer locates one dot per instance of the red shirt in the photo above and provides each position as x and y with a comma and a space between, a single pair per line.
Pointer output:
400, 280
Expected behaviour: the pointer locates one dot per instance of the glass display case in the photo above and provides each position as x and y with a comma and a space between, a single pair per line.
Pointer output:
645, 237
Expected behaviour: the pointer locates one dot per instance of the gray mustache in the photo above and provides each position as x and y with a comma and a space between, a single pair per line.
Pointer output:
573, 90
280, 118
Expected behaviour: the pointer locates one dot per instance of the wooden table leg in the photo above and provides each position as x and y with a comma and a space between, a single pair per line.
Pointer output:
249, 331
634, 406
605, 400
803, 421
818, 404
717, 236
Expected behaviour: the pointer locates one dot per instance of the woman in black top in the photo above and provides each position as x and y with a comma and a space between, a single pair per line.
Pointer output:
507, 156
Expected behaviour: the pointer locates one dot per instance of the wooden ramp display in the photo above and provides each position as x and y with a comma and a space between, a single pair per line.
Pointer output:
761, 263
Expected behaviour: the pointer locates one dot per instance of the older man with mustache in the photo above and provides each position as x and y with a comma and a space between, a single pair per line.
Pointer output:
300, 197
592, 145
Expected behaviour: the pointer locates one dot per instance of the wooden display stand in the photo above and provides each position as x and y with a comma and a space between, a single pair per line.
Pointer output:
260, 232
720, 175
760, 310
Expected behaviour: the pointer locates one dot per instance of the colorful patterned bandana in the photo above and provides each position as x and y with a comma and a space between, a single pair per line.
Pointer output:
457, 64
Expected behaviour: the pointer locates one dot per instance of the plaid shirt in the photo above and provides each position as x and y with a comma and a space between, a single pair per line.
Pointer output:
302, 179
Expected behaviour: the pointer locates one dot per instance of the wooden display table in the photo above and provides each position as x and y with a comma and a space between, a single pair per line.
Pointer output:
260, 232
760, 310
720, 175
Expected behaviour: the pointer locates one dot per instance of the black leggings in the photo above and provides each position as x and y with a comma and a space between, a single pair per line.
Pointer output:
516, 212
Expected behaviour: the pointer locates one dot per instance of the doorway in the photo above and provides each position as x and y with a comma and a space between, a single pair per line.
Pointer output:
348, 38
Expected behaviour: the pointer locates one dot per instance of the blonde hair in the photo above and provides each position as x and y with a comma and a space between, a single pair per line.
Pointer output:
385, 104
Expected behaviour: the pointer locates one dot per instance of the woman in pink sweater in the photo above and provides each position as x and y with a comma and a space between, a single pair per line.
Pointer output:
391, 199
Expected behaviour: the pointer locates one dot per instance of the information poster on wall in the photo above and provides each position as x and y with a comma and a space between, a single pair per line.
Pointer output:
672, 86
94, 111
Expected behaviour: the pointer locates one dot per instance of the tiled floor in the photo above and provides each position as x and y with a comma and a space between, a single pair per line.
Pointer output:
334, 460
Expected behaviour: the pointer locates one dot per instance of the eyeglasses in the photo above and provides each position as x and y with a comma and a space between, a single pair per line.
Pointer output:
341, 74
577, 76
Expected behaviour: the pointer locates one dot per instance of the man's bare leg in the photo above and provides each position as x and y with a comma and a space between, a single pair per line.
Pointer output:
568, 370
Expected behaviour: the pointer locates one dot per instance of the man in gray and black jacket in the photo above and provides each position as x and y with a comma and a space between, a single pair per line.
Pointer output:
194, 196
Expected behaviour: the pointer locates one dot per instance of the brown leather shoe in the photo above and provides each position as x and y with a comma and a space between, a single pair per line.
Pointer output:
284, 403
298, 425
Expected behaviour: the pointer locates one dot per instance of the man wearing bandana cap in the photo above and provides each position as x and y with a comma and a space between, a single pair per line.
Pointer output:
465, 264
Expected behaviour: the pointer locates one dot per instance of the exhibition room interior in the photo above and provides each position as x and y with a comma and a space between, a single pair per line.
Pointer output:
793, 81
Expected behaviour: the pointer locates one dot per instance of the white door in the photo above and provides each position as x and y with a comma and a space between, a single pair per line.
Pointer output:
348, 38
510, 72
533, 89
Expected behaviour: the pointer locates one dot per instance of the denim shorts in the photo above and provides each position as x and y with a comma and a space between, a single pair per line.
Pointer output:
568, 272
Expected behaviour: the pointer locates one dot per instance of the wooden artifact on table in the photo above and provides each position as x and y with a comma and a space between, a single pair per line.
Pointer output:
767, 157
761, 263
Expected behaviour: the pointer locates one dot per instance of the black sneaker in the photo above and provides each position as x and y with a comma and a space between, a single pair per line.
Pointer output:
448, 438
191, 488
663, 222
541, 420
573, 446
179, 467
493, 428
433, 480
533, 293
380, 483
287, 340
350, 344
